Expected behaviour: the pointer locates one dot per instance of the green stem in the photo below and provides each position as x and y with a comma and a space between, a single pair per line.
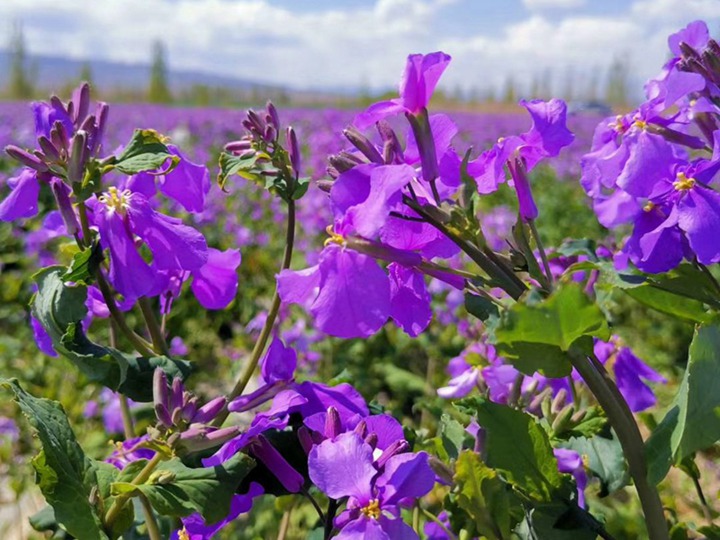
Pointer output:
142, 477
269, 321
140, 344
622, 421
156, 333
541, 249
706, 508
84, 223
284, 524
439, 523
150, 522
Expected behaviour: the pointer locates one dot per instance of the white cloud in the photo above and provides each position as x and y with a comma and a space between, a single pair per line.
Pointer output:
544, 4
350, 47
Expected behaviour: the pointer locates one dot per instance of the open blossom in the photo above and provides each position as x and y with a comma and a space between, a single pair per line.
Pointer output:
421, 75
345, 467
122, 215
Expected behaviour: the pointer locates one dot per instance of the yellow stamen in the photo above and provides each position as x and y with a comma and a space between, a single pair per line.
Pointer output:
683, 183
649, 207
335, 238
640, 124
585, 461
500, 140
617, 125
372, 510
183, 534
116, 200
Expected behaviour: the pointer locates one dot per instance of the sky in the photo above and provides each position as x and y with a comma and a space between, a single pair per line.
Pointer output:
362, 44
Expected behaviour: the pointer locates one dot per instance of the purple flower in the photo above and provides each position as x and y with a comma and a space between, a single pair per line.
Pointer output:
569, 461
22, 202
215, 283
344, 467
120, 216
421, 75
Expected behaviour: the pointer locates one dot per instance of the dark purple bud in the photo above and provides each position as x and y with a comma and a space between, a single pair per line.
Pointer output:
59, 105
677, 137
395, 448
199, 438
101, 113
26, 158
261, 449
442, 471
238, 146
391, 142
362, 143
696, 66
333, 424
78, 157
536, 403
258, 397
420, 125
714, 47
372, 440
59, 136
344, 161
256, 121
160, 387
325, 185
81, 101
528, 208
247, 124
361, 428
48, 148
210, 410
189, 409
272, 116
176, 415
333, 173
712, 64
559, 401
687, 51
60, 191
293, 149
270, 134
163, 415
386, 253
305, 439
176, 395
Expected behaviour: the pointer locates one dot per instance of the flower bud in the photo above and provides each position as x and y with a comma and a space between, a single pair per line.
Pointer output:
395, 448
392, 149
59, 136
420, 125
210, 410
528, 208
272, 116
48, 148
78, 157
559, 401
293, 149
343, 162
60, 191
372, 440
238, 146
362, 143
81, 101
26, 158
305, 439
361, 428
101, 113
333, 424
265, 452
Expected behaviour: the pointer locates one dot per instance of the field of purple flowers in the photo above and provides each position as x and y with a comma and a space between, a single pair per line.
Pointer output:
465, 325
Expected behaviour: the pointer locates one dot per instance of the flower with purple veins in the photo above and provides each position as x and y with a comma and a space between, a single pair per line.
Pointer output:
344, 468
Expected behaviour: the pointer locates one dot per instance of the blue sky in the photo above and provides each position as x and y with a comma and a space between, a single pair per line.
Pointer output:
363, 43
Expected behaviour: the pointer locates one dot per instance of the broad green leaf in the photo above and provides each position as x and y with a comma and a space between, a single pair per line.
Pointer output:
60, 308
518, 447
146, 151
83, 265
231, 165
480, 307
693, 421
492, 507
452, 436
535, 337
65, 475
604, 457
558, 521
176, 490
573, 248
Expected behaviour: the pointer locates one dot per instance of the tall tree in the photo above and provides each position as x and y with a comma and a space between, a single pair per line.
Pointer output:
20, 84
159, 91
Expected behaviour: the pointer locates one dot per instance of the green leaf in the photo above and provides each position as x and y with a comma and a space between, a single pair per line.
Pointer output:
693, 421
179, 490
231, 165
480, 307
301, 186
65, 475
535, 337
61, 308
517, 446
573, 248
557, 521
486, 499
83, 265
604, 457
593, 423
146, 151
452, 436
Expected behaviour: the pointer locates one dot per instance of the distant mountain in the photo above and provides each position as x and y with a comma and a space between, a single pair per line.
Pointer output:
52, 72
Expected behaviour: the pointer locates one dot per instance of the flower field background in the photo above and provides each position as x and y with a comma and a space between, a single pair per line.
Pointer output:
403, 369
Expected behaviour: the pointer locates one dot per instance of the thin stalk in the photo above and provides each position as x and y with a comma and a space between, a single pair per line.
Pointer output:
84, 224
142, 477
155, 330
284, 524
622, 421
541, 249
315, 505
472, 251
269, 321
128, 428
705, 270
434, 518
140, 344
416, 519
152, 526
330, 517
706, 508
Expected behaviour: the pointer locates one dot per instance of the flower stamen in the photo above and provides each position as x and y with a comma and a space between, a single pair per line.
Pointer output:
372, 510
116, 200
683, 183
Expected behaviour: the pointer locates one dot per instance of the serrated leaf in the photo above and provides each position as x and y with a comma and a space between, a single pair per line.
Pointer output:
693, 421
61, 308
516, 445
535, 337
488, 501
146, 151
207, 490
65, 475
